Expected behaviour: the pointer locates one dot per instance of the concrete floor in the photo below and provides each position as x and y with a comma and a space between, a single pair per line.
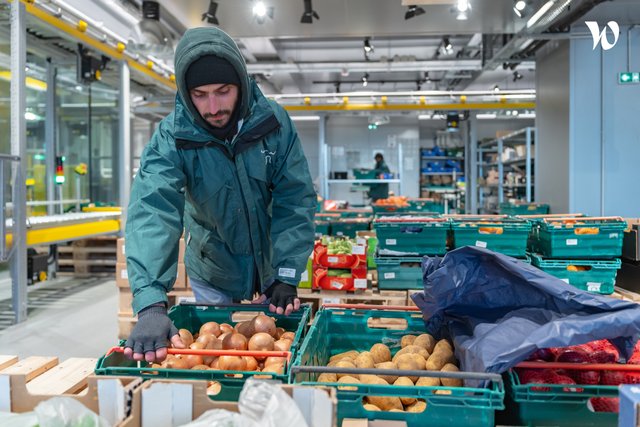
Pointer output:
67, 317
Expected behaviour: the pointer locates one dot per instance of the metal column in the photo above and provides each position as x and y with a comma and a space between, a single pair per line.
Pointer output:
528, 165
323, 156
124, 151
50, 135
472, 165
500, 172
18, 260
400, 168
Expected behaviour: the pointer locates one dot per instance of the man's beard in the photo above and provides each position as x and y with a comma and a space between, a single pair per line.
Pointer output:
219, 120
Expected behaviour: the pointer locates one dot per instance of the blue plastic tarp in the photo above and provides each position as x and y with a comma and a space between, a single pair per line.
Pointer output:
499, 310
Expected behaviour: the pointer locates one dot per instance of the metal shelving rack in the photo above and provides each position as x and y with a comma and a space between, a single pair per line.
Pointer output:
524, 137
449, 192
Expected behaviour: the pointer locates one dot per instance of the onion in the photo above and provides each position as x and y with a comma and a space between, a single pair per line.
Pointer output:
193, 360
274, 367
223, 335
186, 337
197, 346
214, 363
244, 328
281, 345
288, 336
205, 338
232, 363
274, 360
176, 363
226, 328
214, 388
262, 323
252, 363
234, 342
261, 342
211, 328
573, 355
200, 368
279, 332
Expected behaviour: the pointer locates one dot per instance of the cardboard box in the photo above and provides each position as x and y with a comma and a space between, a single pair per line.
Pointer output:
357, 279
166, 403
122, 257
122, 277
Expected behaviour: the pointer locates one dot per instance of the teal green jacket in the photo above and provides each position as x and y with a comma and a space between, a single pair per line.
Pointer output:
246, 206
379, 191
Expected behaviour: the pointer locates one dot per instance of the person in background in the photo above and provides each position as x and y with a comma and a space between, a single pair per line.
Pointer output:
226, 168
379, 191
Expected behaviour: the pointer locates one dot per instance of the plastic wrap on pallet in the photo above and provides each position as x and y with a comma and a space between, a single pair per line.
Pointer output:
499, 310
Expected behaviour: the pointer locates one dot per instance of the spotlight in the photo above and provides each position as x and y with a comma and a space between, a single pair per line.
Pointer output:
309, 13
368, 47
261, 11
447, 47
210, 14
521, 7
365, 80
516, 76
496, 88
427, 79
463, 7
413, 10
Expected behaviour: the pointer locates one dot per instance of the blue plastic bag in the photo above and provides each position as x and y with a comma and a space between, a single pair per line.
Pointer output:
498, 310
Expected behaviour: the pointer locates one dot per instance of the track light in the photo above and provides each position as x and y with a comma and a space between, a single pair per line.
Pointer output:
413, 10
309, 13
521, 7
446, 47
463, 7
496, 88
368, 48
516, 76
365, 80
210, 14
261, 11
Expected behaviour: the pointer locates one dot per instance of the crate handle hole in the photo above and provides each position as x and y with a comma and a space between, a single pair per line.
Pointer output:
490, 230
243, 316
411, 230
214, 388
605, 405
417, 407
387, 323
579, 268
586, 231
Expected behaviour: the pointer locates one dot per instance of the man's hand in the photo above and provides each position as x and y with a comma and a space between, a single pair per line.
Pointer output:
148, 340
284, 298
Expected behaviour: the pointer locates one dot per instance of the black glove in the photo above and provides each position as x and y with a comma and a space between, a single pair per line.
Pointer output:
153, 330
281, 294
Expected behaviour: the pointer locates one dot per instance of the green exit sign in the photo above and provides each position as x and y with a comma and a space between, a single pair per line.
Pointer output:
626, 78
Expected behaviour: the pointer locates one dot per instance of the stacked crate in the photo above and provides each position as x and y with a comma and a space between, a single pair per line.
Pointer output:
583, 251
402, 242
126, 320
340, 272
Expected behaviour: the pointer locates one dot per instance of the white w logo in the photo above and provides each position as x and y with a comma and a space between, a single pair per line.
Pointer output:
601, 37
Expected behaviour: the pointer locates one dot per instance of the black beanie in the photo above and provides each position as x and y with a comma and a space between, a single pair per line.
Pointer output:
210, 69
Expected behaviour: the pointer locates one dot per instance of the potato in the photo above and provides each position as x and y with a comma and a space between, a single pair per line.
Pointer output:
351, 354
411, 362
413, 349
380, 353
344, 364
364, 360
407, 340
385, 403
443, 344
419, 406
425, 341
372, 379
427, 382
327, 378
396, 410
387, 365
370, 407
405, 382
451, 382
435, 362
349, 380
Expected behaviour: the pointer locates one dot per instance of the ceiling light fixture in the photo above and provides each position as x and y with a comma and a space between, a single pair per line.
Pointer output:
447, 47
521, 7
412, 11
309, 13
368, 48
261, 11
496, 88
536, 16
210, 14
365, 80
463, 7
150, 37
516, 76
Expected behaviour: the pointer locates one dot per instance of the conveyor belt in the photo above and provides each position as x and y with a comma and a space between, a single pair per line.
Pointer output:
50, 229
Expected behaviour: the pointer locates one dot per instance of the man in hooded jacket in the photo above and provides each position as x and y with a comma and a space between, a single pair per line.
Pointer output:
226, 168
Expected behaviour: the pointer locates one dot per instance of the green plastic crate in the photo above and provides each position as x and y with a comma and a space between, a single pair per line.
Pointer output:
353, 213
425, 205
323, 228
389, 209
567, 239
349, 227
600, 278
339, 330
398, 273
556, 407
191, 317
524, 208
364, 174
507, 236
406, 236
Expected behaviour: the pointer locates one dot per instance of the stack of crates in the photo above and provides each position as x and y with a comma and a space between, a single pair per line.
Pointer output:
402, 242
323, 221
514, 209
350, 221
342, 270
498, 233
583, 251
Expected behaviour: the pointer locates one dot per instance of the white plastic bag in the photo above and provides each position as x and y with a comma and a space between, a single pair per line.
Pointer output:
269, 406
221, 418
9, 419
67, 412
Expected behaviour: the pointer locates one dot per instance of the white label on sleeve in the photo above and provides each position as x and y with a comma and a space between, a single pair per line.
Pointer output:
572, 242
360, 283
361, 241
613, 235
481, 244
390, 241
358, 250
330, 300
332, 259
593, 286
287, 272
389, 275
304, 277
566, 281
124, 274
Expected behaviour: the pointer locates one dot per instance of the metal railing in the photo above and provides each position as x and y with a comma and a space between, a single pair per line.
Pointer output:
4, 160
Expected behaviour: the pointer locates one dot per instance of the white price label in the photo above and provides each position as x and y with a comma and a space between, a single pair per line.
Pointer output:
389, 275
390, 241
593, 286
332, 259
339, 233
566, 281
361, 241
358, 250
481, 244
336, 285
330, 300
304, 277
185, 299
124, 274
360, 283
572, 242
613, 235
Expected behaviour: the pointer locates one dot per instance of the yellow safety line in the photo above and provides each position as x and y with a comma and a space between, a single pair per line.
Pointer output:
102, 209
45, 236
383, 107
96, 44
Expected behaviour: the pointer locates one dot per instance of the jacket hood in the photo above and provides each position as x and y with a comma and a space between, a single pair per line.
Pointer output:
197, 42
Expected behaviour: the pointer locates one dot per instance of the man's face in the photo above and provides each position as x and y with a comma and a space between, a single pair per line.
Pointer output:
215, 102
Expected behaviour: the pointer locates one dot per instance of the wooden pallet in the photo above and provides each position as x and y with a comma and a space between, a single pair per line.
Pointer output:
88, 257
24, 383
366, 296
626, 295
